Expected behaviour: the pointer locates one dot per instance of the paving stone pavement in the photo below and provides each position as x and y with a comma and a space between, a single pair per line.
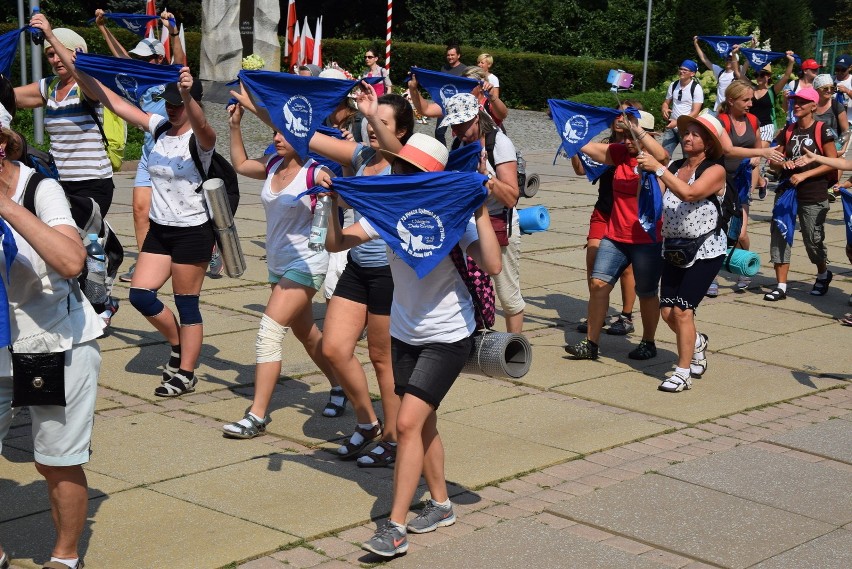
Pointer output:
578, 464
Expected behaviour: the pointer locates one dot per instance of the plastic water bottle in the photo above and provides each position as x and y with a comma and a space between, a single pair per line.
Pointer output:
37, 36
95, 287
319, 227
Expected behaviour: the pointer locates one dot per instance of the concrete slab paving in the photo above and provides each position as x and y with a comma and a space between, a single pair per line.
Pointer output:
130, 529
754, 383
733, 532
757, 318
474, 391
778, 480
798, 352
162, 448
559, 424
521, 544
832, 550
302, 495
830, 439
476, 456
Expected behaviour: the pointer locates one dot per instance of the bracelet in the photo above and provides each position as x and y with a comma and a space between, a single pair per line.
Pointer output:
644, 134
174, 35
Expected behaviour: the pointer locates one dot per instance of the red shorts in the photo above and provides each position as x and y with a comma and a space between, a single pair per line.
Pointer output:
597, 225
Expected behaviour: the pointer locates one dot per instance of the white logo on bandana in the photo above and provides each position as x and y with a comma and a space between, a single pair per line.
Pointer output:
127, 86
132, 26
297, 115
421, 232
576, 129
722, 47
446, 92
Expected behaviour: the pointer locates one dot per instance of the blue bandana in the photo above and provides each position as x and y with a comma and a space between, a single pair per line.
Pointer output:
723, 45
578, 124
10, 250
8, 50
742, 180
785, 209
758, 58
846, 198
442, 86
464, 158
650, 204
136, 23
594, 170
130, 78
420, 216
296, 105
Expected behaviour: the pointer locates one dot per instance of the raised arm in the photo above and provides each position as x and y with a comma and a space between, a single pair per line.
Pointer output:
65, 55
779, 85
245, 98
178, 55
498, 107
113, 44
204, 133
113, 101
368, 104
700, 53
239, 159
430, 109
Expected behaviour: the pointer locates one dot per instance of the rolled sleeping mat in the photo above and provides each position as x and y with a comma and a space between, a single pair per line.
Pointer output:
500, 355
533, 219
224, 227
742, 262
531, 187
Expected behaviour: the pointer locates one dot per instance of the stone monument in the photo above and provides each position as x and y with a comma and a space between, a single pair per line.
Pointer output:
232, 30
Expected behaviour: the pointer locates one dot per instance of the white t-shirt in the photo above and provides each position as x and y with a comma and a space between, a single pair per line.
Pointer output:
174, 179
682, 99
847, 100
436, 308
493, 80
39, 311
288, 226
723, 80
504, 151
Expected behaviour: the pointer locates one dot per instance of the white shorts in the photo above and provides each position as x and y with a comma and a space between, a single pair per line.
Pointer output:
507, 284
62, 436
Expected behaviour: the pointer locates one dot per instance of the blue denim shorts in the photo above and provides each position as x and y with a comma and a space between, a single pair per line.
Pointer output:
647, 260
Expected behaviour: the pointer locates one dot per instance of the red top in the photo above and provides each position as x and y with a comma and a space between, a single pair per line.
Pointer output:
624, 223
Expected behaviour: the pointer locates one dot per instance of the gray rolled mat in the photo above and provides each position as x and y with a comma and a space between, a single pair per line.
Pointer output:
500, 355
224, 227
531, 187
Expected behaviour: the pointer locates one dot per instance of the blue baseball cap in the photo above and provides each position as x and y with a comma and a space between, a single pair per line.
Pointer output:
689, 64
843, 62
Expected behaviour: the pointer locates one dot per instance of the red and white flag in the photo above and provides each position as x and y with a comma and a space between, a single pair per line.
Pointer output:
317, 55
294, 48
151, 10
306, 43
164, 39
291, 27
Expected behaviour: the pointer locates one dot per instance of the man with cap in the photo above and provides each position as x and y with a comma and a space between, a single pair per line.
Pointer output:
810, 69
843, 82
150, 101
683, 97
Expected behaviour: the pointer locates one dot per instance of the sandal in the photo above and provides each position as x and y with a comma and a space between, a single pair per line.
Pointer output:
821, 285
675, 384
178, 385
237, 430
332, 409
846, 320
775, 295
350, 450
58, 565
4, 561
698, 365
381, 455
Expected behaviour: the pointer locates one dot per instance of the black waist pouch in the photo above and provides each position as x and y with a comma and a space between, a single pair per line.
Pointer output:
38, 379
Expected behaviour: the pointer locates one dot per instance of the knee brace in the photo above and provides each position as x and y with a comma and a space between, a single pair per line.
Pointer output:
187, 307
270, 340
146, 301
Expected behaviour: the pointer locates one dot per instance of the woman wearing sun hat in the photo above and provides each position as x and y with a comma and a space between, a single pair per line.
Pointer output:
811, 183
691, 188
470, 123
431, 327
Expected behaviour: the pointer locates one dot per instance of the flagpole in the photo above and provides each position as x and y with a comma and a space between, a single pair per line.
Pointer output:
647, 42
22, 42
388, 37
35, 59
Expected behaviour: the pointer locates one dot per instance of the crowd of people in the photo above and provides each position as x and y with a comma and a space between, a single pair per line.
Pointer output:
419, 329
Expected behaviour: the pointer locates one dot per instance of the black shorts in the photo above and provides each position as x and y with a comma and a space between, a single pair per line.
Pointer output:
685, 288
99, 189
185, 245
428, 371
372, 286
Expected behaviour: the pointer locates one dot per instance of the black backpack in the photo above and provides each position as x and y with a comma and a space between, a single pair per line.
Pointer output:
39, 160
87, 217
727, 207
219, 168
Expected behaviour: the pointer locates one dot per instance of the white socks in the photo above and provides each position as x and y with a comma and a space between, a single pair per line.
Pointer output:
244, 422
72, 563
681, 372
781, 286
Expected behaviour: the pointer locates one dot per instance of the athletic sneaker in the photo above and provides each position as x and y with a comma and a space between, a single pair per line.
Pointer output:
583, 350
620, 326
644, 351
128, 276
216, 263
713, 290
742, 283
388, 541
109, 312
432, 517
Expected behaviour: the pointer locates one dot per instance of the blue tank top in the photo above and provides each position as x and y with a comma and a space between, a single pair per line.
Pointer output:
372, 253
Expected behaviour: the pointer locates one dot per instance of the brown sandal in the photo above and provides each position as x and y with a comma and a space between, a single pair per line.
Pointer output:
349, 450
373, 459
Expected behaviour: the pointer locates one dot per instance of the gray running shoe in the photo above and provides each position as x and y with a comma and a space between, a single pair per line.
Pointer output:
431, 518
128, 276
388, 541
621, 326
217, 265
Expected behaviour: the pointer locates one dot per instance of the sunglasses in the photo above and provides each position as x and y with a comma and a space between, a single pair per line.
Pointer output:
826, 89
370, 57
801, 102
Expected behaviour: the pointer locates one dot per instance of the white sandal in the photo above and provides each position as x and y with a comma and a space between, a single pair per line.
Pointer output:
675, 383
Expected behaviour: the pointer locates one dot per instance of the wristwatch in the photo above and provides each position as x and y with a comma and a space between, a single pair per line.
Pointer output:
660, 171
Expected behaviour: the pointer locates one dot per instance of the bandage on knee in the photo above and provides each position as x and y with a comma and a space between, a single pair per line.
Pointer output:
145, 301
270, 340
187, 307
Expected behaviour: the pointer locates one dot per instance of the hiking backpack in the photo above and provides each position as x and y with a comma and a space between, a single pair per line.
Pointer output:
87, 217
692, 88
113, 128
788, 132
219, 168
39, 160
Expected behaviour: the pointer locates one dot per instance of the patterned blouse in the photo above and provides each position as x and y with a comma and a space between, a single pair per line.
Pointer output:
694, 219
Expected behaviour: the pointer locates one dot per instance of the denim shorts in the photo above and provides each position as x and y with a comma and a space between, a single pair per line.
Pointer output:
299, 277
428, 371
647, 260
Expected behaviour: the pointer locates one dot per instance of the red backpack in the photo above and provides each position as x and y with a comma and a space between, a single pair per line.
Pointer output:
788, 132
726, 122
